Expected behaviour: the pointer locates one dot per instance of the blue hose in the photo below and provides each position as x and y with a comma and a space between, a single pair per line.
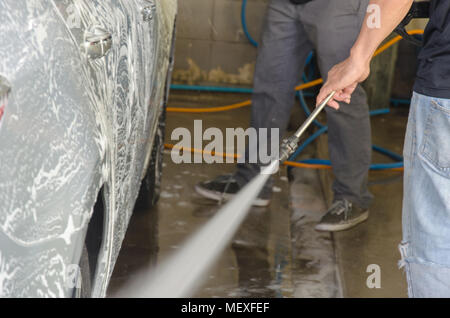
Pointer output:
244, 24
388, 153
242, 90
322, 128
379, 166
220, 89
214, 89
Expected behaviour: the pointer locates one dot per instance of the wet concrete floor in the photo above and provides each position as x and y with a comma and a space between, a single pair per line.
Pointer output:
257, 261
375, 241
276, 252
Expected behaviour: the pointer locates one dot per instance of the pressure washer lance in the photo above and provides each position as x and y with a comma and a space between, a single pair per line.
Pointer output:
289, 145
180, 274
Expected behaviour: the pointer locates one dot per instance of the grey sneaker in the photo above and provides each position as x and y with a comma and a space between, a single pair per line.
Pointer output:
342, 215
224, 188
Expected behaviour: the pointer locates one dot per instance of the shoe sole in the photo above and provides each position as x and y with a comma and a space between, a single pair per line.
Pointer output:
219, 196
341, 227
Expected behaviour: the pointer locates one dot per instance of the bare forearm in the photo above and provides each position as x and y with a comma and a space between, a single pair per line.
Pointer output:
344, 77
391, 13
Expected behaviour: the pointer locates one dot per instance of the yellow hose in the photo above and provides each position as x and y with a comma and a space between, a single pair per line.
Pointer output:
391, 42
236, 156
200, 151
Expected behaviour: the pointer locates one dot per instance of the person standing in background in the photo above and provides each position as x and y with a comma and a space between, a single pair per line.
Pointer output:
291, 32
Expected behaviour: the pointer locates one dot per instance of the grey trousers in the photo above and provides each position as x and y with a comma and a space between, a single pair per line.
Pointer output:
330, 27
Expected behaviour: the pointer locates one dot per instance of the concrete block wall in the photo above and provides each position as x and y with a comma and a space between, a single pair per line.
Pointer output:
211, 46
212, 49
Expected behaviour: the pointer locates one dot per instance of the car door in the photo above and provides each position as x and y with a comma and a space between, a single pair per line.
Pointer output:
83, 98
120, 76
51, 151
133, 121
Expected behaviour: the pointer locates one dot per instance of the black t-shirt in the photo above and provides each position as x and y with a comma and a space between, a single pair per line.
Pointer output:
300, 1
433, 75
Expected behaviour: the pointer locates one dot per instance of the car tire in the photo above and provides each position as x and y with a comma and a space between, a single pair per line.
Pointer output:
151, 184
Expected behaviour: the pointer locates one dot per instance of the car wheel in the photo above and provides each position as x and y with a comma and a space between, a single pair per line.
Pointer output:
151, 184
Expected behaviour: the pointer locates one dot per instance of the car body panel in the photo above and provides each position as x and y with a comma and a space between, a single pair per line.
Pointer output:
72, 125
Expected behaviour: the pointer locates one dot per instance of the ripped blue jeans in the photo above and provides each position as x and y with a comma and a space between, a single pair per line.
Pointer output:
425, 248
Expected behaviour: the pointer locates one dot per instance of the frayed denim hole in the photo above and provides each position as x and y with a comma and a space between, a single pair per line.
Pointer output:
403, 264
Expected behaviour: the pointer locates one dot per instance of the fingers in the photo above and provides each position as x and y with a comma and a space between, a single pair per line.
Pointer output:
342, 78
324, 92
343, 95
346, 93
333, 104
350, 89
